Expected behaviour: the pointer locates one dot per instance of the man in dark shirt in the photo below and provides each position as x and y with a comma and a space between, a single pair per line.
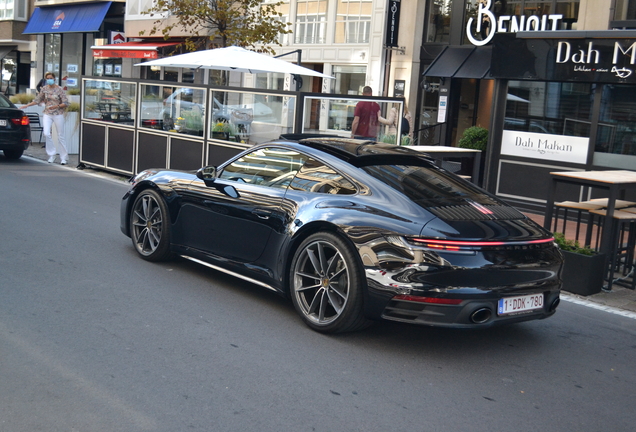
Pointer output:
365, 118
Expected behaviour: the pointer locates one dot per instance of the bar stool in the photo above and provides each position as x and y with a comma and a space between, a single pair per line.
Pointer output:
624, 229
603, 202
579, 207
619, 204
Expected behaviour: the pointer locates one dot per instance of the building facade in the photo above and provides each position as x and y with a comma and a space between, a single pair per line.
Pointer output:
552, 81
15, 48
63, 32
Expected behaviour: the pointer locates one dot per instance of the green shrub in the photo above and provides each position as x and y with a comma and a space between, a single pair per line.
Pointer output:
73, 91
73, 107
22, 98
474, 138
572, 245
388, 139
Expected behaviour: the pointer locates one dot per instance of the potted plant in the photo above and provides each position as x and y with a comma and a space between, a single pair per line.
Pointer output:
223, 130
475, 138
583, 268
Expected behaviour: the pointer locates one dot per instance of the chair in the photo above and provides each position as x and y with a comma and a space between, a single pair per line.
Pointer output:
34, 120
624, 235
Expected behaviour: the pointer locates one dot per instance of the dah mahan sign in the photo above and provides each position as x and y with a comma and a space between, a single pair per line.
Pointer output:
560, 148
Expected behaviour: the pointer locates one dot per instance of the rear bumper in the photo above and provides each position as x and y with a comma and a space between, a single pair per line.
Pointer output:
470, 313
15, 141
459, 288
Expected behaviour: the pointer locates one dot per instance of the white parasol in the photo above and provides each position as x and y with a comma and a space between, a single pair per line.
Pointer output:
233, 59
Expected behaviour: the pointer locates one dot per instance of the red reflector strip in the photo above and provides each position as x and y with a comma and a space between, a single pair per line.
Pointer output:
433, 300
447, 244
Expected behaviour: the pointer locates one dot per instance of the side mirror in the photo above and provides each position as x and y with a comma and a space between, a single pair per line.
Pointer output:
207, 174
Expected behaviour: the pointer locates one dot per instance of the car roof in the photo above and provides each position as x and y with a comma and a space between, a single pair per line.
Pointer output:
362, 152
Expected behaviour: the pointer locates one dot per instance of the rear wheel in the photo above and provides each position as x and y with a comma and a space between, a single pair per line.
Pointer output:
326, 284
13, 154
150, 227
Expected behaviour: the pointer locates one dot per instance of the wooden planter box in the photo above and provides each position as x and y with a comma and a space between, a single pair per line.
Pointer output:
583, 274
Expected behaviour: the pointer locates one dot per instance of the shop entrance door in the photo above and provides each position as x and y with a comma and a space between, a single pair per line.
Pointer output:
470, 105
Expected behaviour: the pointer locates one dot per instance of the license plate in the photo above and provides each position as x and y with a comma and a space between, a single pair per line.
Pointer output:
525, 303
3, 122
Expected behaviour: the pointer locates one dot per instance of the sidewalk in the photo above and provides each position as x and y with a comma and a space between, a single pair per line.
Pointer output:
37, 151
619, 297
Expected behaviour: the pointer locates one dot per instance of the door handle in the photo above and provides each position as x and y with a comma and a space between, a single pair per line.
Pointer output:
262, 214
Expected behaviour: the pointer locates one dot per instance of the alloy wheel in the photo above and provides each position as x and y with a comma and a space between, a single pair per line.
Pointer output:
321, 282
147, 224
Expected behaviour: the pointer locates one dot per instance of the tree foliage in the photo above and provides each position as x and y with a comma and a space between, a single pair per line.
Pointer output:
244, 23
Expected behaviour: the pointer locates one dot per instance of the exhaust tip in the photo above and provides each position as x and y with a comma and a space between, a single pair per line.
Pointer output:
554, 304
481, 316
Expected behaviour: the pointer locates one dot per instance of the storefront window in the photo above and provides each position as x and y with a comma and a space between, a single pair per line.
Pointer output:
349, 79
427, 132
549, 108
52, 49
625, 10
311, 21
72, 62
439, 20
617, 126
353, 21
9, 74
109, 101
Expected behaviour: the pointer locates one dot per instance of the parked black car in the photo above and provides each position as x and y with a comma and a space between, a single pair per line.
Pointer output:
352, 231
15, 131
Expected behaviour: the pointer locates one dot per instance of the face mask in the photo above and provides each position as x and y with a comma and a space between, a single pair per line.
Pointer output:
50, 81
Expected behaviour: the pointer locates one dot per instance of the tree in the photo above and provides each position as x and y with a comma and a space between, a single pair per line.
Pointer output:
244, 23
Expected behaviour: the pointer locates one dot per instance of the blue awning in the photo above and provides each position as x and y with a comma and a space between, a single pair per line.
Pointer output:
84, 18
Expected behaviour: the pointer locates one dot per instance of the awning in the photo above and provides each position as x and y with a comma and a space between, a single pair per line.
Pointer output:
80, 18
140, 50
477, 65
461, 62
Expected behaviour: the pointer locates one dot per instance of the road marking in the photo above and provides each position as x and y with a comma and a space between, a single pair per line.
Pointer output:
115, 178
598, 306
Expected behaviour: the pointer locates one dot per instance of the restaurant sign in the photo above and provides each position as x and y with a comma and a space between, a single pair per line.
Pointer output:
561, 148
482, 28
583, 60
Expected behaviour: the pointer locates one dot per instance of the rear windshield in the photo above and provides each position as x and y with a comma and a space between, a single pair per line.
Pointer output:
4, 103
429, 186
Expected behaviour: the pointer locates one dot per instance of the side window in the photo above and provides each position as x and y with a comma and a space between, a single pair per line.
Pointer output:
317, 177
269, 166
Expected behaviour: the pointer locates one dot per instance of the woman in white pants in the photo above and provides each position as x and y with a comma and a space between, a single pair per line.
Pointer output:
55, 105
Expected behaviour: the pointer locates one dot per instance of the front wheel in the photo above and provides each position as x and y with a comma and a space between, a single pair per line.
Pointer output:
326, 284
150, 226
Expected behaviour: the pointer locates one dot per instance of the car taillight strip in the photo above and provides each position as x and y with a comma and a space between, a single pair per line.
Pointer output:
432, 300
459, 244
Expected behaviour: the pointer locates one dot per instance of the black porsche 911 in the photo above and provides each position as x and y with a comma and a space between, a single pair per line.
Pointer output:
352, 231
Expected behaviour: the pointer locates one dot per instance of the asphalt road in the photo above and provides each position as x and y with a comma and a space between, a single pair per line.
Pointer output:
93, 338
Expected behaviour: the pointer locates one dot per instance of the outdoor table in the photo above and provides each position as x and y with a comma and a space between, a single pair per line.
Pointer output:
615, 182
440, 153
